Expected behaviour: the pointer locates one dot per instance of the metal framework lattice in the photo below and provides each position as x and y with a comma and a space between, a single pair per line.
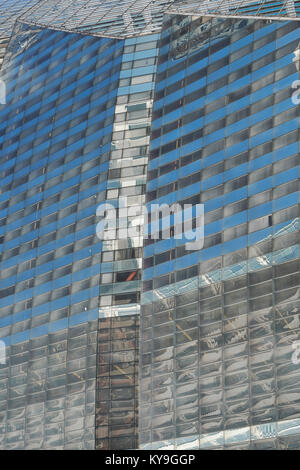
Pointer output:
10, 10
115, 18
125, 18
279, 8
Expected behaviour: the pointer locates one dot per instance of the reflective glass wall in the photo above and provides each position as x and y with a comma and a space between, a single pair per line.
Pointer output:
10, 10
56, 131
75, 137
121, 261
219, 325
117, 383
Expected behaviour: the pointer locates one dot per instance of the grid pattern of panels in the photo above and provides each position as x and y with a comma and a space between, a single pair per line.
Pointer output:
10, 10
122, 252
3, 45
55, 140
282, 8
117, 383
118, 18
279, 443
48, 391
218, 324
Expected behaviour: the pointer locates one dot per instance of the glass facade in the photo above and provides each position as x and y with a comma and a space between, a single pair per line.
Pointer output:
121, 259
10, 10
218, 324
75, 135
117, 383
290, 8
119, 341
117, 18
56, 130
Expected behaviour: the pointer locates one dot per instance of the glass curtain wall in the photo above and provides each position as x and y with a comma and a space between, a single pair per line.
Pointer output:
56, 130
218, 325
